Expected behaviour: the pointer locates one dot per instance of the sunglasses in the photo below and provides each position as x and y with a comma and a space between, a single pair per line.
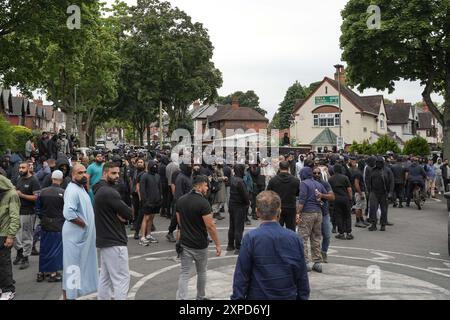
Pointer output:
317, 173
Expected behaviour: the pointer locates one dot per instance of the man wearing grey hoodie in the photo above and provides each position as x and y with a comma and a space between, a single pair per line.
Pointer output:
9, 225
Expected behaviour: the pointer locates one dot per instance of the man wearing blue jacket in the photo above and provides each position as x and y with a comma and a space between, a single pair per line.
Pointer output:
271, 263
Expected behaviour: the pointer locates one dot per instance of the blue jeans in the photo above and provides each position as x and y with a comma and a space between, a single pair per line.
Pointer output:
326, 232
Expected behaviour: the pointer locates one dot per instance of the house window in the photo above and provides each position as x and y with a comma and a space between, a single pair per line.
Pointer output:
408, 128
326, 89
381, 121
326, 119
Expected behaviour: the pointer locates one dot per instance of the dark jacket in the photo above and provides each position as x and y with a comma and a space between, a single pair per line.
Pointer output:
183, 183
287, 186
62, 161
110, 231
150, 187
398, 170
162, 170
43, 148
238, 192
49, 207
53, 147
271, 266
387, 177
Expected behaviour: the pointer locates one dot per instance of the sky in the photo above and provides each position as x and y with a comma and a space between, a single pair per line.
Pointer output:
266, 46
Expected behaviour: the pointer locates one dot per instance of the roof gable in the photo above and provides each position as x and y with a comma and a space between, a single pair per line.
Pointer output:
17, 104
425, 120
398, 113
368, 104
227, 113
326, 137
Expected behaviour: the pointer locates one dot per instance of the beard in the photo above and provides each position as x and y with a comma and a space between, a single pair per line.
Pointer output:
82, 181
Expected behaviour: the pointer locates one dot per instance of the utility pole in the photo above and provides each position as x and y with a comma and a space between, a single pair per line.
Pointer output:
160, 125
338, 70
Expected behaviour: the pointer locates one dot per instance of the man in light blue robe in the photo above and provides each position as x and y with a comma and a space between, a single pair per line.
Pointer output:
80, 276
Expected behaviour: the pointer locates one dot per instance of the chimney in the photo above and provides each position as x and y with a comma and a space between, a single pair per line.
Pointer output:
399, 101
196, 104
425, 107
235, 103
341, 74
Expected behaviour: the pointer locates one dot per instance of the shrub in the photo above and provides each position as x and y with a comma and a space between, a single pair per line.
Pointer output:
20, 136
417, 146
6, 137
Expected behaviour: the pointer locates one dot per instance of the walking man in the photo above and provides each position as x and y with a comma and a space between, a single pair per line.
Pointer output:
400, 176
111, 214
271, 264
195, 221
80, 276
27, 187
51, 206
287, 187
309, 217
9, 225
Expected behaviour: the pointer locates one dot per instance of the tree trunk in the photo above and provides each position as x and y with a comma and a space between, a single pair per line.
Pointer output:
148, 136
446, 130
70, 121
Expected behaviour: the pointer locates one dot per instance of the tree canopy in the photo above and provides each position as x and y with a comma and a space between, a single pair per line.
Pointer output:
412, 43
293, 94
247, 99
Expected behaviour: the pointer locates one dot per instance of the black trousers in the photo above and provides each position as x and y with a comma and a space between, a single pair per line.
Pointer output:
165, 199
375, 201
236, 229
6, 274
446, 186
399, 192
138, 215
287, 218
173, 220
332, 215
343, 215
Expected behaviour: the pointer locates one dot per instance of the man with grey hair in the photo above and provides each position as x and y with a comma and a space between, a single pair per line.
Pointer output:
271, 263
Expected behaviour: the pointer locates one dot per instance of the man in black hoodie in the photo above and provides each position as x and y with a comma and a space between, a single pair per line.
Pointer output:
259, 184
61, 164
111, 214
238, 207
287, 187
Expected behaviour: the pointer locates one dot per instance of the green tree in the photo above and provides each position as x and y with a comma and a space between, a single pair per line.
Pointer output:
363, 148
412, 43
293, 93
312, 86
6, 134
20, 135
417, 146
275, 123
248, 99
385, 144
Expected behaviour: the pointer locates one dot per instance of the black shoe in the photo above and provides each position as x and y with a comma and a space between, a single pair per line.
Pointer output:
18, 259
373, 227
24, 264
340, 236
236, 251
230, 248
383, 228
136, 236
34, 252
40, 277
395, 205
55, 278
349, 236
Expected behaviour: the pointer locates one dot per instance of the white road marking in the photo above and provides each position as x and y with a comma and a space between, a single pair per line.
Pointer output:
395, 264
434, 253
447, 265
165, 232
136, 274
382, 256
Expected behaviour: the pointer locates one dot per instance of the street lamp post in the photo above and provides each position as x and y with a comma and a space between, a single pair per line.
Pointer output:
338, 70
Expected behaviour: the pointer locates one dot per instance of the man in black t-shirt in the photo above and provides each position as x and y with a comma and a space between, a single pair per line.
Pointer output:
27, 187
357, 182
195, 221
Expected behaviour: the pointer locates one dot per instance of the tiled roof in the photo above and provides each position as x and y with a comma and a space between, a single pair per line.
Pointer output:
226, 112
17, 106
48, 113
368, 104
398, 113
325, 138
425, 120
32, 107
4, 99
40, 111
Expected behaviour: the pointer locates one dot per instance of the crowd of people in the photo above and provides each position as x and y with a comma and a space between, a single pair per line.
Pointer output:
74, 207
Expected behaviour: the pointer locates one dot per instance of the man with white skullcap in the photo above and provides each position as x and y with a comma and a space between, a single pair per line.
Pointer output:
50, 206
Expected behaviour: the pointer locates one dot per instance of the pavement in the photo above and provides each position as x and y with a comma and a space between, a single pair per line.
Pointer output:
409, 260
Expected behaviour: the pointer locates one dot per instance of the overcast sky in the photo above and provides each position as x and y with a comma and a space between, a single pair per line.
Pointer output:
266, 46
